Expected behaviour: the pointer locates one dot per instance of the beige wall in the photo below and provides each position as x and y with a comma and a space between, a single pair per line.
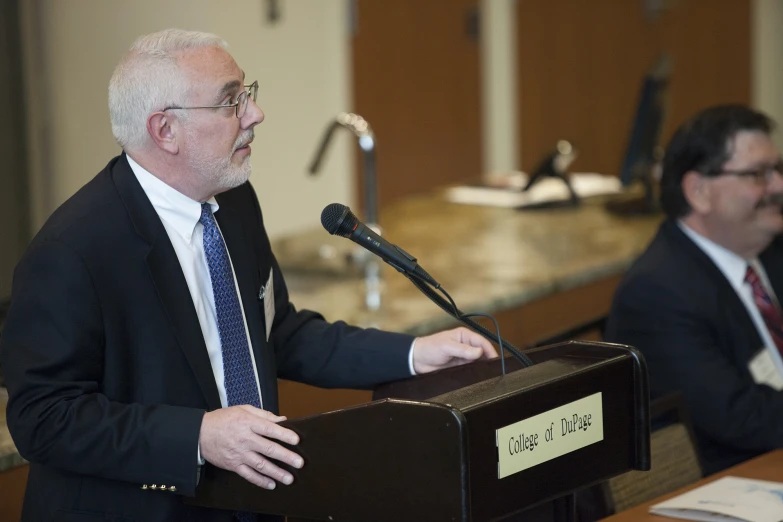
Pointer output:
499, 86
768, 60
301, 64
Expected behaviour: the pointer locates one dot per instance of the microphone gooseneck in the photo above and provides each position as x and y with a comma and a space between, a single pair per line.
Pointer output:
338, 220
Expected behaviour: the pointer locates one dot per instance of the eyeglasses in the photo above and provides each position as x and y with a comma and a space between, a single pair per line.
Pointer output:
760, 175
240, 105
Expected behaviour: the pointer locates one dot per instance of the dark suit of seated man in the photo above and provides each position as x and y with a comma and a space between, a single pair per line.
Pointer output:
149, 319
702, 302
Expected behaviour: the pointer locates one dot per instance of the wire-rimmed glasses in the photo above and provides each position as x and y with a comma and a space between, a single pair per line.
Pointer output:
239, 105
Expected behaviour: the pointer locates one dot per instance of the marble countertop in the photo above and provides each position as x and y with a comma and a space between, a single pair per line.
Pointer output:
488, 259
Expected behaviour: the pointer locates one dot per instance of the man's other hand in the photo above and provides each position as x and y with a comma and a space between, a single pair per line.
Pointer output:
242, 439
450, 348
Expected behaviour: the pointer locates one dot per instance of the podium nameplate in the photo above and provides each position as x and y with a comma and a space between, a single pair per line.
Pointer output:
549, 435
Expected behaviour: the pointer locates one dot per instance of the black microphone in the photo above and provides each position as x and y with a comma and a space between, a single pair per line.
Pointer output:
338, 220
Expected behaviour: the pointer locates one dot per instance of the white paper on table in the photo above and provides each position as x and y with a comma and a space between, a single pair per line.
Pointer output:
729, 499
545, 190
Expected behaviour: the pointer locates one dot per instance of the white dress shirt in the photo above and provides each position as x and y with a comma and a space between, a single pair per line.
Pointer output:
180, 216
734, 268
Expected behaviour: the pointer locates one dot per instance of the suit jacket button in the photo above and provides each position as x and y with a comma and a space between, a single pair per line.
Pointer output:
163, 488
144, 486
153, 486
173, 489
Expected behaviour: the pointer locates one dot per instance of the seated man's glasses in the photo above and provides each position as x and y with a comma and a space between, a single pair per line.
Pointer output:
239, 105
760, 175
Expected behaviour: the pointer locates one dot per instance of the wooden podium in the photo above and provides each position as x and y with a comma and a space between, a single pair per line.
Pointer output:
427, 448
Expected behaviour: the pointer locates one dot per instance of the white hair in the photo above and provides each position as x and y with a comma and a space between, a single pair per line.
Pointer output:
148, 79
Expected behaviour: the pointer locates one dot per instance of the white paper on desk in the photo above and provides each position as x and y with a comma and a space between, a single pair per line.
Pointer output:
545, 190
729, 499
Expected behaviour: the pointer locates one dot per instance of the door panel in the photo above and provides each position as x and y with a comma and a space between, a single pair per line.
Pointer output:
581, 65
710, 44
416, 81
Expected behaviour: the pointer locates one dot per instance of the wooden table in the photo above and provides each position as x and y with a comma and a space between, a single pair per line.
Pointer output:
766, 467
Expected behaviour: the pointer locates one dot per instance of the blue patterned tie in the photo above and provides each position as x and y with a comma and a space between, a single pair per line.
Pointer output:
238, 375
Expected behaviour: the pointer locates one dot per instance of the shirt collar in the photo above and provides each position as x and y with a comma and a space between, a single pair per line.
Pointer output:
175, 208
733, 266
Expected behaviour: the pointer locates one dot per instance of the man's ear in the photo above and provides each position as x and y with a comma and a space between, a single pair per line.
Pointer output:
696, 189
159, 127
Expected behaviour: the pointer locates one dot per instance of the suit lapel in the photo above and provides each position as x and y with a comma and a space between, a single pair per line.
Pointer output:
246, 268
169, 281
727, 295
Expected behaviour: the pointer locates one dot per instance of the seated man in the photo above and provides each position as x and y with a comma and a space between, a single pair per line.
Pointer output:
701, 303
150, 321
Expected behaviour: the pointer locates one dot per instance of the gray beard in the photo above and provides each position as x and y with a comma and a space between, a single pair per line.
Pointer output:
221, 175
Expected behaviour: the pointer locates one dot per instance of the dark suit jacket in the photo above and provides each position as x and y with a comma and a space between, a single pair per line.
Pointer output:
677, 307
106, 366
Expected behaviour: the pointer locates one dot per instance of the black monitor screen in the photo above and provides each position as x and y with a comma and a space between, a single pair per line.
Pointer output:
646, 127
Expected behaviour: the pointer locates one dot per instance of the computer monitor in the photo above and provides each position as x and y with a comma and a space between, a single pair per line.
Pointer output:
643, 143
642, 155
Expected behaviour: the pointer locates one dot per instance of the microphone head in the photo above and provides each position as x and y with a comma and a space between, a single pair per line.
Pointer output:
338, 220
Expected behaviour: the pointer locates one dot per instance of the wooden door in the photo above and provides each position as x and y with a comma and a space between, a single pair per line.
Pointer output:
416, 81
710, 43
581, 64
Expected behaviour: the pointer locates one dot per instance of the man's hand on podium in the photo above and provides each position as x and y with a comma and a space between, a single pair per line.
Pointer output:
450, 348
242, 439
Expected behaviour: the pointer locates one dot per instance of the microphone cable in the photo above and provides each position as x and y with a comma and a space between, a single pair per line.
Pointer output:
450, 308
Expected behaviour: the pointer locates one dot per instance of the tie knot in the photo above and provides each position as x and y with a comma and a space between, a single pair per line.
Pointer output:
206, 214
751, 277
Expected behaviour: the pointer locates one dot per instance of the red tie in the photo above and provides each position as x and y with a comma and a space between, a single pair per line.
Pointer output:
769, 310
